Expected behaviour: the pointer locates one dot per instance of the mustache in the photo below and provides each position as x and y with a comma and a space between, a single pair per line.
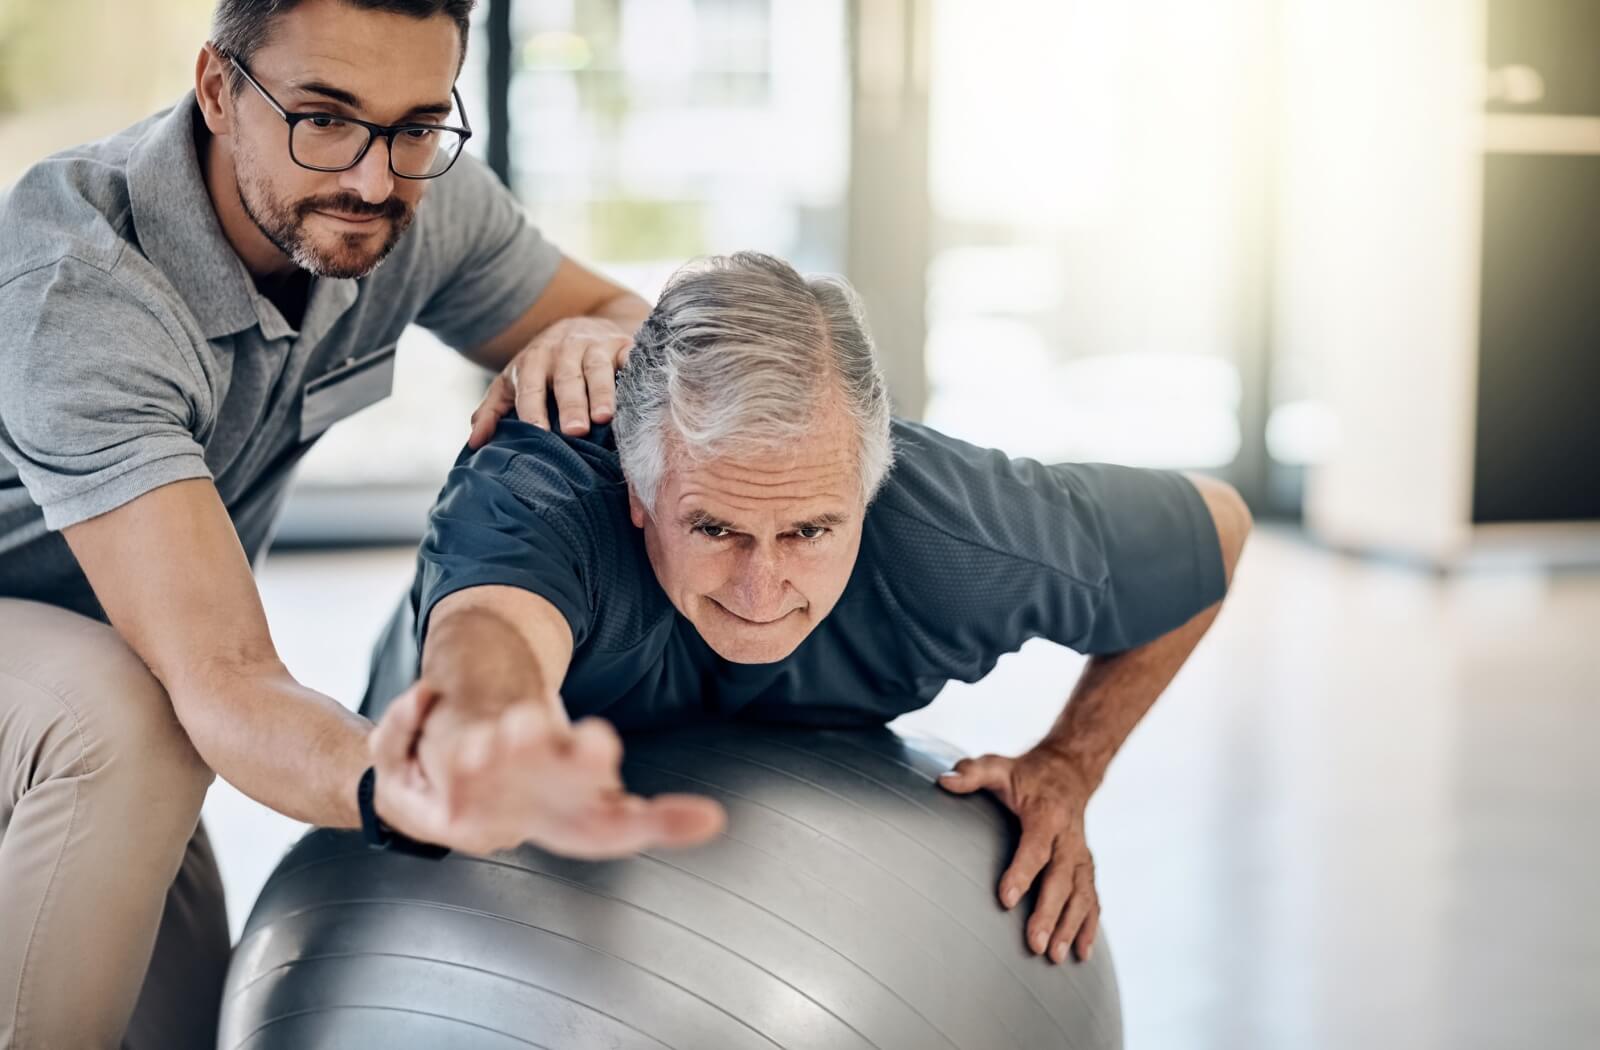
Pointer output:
349, 204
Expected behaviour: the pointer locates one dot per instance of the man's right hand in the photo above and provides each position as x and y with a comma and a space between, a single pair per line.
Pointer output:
521, 774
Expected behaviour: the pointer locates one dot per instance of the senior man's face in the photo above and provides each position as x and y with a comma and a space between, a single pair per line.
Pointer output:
755, 551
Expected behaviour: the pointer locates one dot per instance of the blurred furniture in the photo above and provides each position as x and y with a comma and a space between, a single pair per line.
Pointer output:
1442, 228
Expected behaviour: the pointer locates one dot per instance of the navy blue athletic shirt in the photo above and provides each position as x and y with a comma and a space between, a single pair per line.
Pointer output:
965, 555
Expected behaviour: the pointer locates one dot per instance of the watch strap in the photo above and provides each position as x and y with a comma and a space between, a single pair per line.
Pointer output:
380, 835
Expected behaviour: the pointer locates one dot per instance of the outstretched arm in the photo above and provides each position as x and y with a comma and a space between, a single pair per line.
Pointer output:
483, 735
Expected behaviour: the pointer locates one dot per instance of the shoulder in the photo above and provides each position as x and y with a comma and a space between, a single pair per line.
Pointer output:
70, 258
952, 514
543, 469
81, 329
456, 209
469, 187
71, 204
975, 498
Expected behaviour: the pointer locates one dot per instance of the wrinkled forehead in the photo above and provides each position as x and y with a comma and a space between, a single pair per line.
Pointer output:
379, 64
782, 484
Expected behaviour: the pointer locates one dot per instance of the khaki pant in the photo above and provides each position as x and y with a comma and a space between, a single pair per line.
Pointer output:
112, 928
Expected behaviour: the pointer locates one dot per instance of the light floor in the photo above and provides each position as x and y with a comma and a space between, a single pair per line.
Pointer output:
1367, 814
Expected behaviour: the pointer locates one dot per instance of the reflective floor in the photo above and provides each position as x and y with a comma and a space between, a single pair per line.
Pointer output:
1366, 815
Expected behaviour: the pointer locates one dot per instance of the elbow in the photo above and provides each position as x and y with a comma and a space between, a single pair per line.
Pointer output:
1230, 515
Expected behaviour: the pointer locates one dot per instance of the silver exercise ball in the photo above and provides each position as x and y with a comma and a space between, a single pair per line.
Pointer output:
849, 904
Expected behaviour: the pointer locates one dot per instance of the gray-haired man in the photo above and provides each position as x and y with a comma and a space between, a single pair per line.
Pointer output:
736, 544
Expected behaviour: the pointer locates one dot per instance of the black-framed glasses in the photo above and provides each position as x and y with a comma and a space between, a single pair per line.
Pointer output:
325, 142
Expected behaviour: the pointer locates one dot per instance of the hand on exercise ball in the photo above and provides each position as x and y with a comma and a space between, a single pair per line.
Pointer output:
1048, 794
485, 781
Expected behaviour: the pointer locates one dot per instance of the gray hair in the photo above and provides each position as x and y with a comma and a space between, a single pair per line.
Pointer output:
739, 355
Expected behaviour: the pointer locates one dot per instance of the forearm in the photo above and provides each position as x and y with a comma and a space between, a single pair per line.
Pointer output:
286, 746
1116, 690
1114, 693
489, 647
626, 310
480, 663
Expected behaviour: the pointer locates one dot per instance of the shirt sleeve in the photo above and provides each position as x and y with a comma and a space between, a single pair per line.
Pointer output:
987, 552
99, 404
502, 519
1159, 552
495, 263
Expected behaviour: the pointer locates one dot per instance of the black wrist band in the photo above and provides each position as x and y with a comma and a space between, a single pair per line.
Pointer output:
380, 835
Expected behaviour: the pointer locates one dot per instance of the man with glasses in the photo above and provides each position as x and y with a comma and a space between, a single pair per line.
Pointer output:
184, 308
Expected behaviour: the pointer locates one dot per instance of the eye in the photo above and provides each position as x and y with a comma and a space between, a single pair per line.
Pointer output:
712, 532
812, 532
420, 133
323, 122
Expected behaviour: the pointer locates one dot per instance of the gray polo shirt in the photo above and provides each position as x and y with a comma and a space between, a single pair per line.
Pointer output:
135, 350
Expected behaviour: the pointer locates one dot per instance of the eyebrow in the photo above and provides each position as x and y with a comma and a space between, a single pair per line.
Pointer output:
346, 98
699, 519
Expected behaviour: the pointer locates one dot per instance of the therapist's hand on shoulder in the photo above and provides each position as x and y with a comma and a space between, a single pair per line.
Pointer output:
490, 781
577, 358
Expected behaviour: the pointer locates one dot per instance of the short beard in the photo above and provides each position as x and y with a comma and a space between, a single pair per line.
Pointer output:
284, 225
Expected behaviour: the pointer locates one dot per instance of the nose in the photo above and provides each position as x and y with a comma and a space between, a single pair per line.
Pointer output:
760, 587
371, 178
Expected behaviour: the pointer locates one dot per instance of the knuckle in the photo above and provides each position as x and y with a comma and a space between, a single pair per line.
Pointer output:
1033, 855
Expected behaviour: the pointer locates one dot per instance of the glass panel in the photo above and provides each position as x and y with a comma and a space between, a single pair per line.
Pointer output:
1090, 179
646, 132
68, 75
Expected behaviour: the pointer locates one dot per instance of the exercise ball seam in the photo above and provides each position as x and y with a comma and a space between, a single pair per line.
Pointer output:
874, 816
870, 862
390, 1009
413, 902
864, 775
435, 961
874, 979
847, 800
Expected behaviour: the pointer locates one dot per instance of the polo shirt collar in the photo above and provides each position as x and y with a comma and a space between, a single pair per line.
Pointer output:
178, 228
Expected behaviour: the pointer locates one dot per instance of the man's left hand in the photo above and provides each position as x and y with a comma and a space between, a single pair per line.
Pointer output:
578, 358
1048, 794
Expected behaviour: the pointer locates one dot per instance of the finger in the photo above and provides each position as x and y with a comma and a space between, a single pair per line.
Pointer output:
973, 774
1084, 945
596, 743
572, 401
390, 744
628, 824
1054, 889
497, 401
600, 374
1077, 912
528, 377
686, 820
1033, 853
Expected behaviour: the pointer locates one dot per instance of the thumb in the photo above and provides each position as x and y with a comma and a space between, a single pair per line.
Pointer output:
390, 743
497, 401
974, 774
